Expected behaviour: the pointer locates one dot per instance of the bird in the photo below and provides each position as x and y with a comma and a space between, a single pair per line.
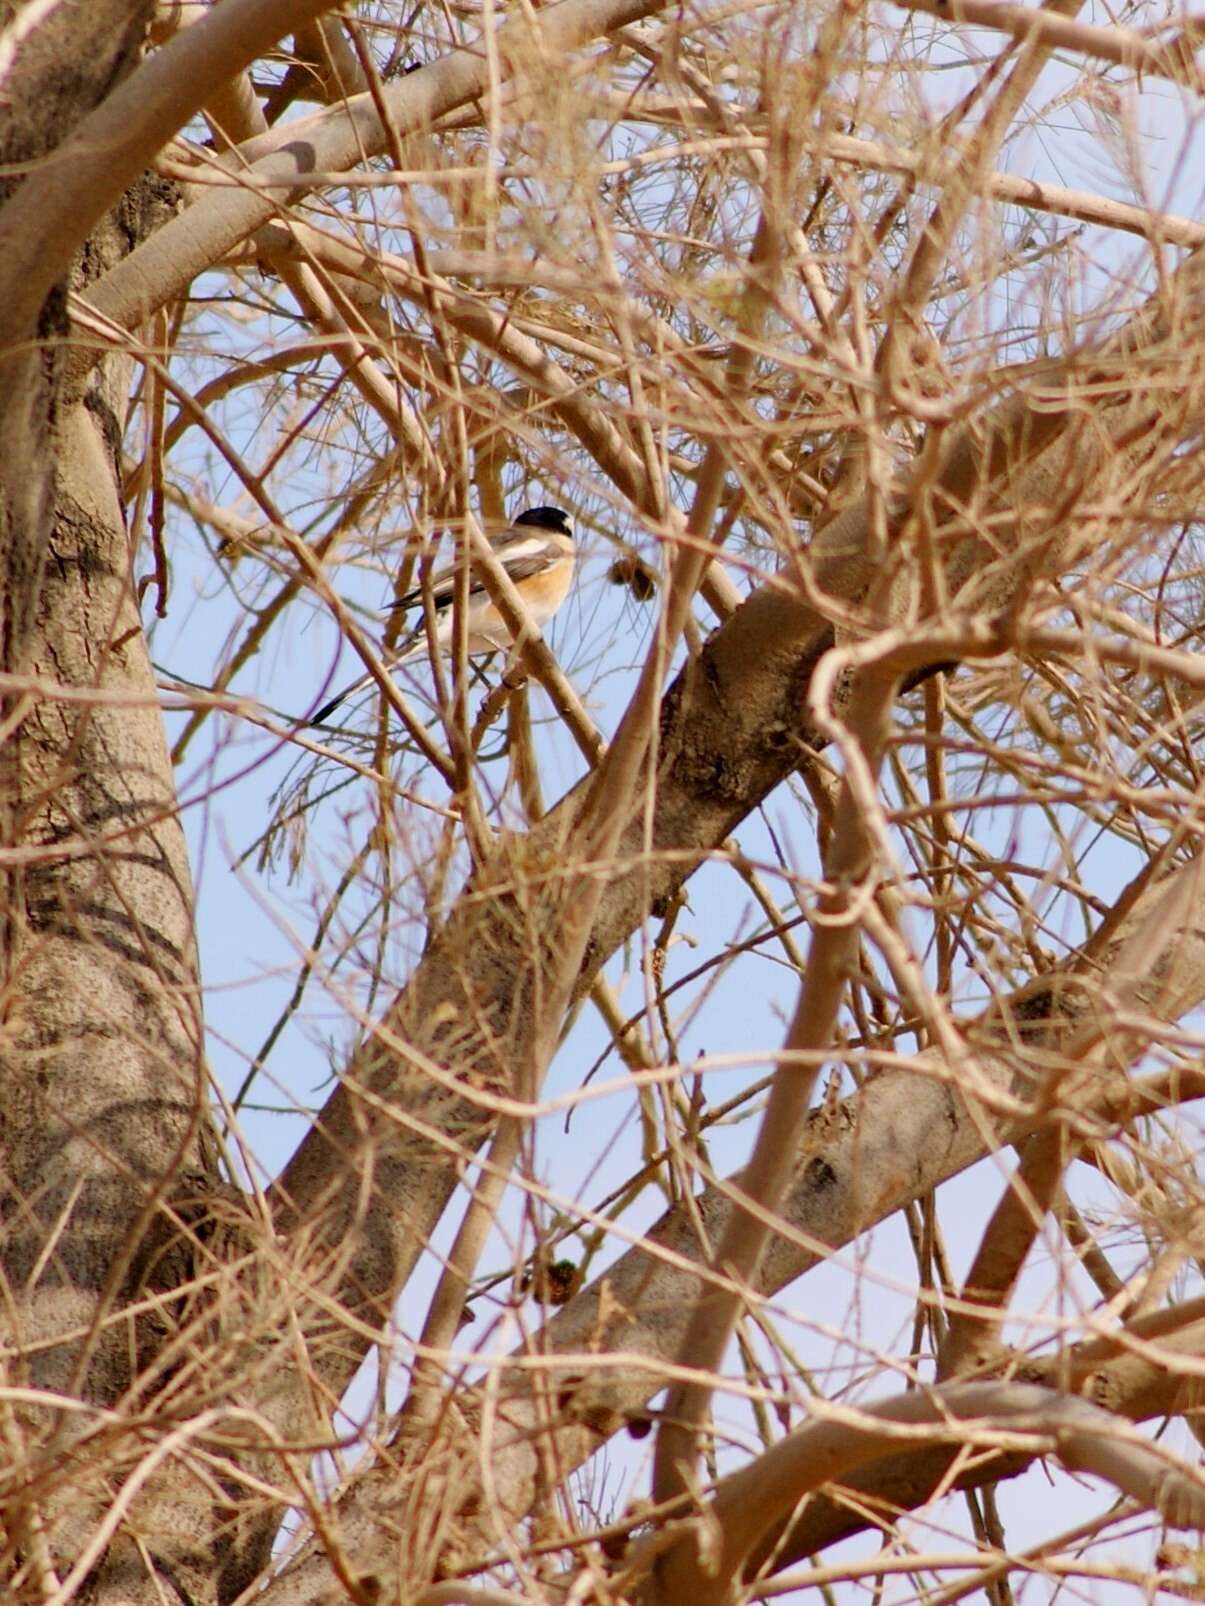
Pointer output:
537, 551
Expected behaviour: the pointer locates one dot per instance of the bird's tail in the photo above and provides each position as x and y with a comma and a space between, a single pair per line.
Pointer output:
327, 709
415, 649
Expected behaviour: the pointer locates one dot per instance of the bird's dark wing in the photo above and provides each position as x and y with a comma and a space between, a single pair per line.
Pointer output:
441, 590
521, 557
522, 567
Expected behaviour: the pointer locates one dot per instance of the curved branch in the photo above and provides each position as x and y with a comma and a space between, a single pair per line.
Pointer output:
1147, 1370
704, 1562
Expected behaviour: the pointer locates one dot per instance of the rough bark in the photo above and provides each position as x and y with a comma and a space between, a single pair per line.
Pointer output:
108, 1168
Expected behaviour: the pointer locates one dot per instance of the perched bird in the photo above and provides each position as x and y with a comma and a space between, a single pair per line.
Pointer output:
537, 553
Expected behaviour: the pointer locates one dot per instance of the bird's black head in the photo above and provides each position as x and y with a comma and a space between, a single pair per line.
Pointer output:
547, 518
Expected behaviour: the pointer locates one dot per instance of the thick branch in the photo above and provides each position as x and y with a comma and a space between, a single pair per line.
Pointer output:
59, 204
